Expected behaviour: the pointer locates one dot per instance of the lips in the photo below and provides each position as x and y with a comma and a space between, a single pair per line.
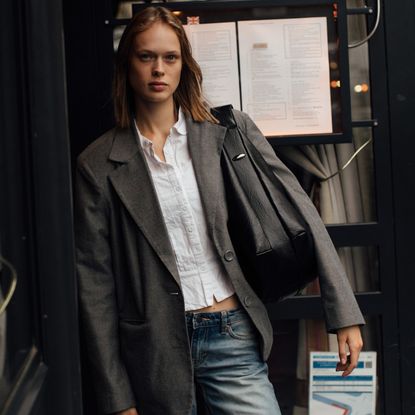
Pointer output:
158, 86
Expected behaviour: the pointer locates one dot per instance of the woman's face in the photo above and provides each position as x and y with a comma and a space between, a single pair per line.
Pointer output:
155, 64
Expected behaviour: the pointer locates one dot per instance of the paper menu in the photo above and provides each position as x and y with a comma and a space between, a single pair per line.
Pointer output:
277, 70
214, 48
285, 75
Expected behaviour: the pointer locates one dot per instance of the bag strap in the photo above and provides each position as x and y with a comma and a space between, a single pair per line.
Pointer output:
237, 146
248, 172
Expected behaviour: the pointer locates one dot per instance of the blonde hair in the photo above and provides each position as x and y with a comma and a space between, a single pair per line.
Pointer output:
188, 94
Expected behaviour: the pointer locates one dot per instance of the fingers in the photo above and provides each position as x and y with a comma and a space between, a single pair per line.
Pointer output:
352, 337
342, 350
344, 360
340, 367
354, 357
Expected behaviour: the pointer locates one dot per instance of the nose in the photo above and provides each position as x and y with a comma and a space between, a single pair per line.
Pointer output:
158, 67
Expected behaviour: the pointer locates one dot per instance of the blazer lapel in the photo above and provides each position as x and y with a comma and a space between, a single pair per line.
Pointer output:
205, 141
133, 183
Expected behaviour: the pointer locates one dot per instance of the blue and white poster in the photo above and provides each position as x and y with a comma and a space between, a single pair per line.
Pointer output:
333, 394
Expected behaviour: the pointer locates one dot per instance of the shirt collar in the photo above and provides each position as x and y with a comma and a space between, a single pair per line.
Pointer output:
179, 127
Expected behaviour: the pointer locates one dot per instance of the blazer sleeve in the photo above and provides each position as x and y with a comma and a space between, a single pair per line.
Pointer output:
339, 303
98, 308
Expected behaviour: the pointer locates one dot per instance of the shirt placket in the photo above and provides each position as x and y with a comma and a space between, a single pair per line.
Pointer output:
188, 222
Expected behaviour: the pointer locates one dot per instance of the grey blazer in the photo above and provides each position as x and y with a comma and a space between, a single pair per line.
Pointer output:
131, 305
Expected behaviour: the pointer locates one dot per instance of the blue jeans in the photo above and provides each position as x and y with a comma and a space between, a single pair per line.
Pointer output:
228, 369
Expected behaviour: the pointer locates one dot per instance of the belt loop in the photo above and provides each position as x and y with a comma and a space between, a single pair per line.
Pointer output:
223, 321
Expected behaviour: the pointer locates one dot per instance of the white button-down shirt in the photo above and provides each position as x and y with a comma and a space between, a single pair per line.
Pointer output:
200, 271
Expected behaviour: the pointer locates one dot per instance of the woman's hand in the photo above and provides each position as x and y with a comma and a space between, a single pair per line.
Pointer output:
131, 411
353, 338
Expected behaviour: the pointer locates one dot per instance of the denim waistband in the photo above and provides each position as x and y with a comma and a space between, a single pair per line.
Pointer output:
217, 318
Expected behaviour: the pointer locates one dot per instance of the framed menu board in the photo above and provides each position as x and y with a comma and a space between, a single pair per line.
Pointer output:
285, 63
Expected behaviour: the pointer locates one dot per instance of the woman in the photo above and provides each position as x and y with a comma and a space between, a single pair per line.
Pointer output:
164, 303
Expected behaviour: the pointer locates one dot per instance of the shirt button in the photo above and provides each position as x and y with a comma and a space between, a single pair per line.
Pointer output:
248, 300
229, 256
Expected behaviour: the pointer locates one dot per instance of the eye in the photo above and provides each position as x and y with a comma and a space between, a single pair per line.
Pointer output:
145, 57
171, 58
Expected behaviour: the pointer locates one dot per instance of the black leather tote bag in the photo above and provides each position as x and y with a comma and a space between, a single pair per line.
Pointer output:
272, 241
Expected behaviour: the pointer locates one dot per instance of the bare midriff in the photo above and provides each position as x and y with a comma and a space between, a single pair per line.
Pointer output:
226, 304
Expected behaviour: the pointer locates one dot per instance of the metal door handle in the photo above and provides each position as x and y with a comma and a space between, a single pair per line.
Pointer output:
12, 287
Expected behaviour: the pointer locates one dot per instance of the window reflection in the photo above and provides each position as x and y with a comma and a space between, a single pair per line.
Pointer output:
16, 334
116, 36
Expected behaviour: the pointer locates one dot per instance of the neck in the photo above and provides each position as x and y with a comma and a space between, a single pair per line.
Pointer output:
155, 120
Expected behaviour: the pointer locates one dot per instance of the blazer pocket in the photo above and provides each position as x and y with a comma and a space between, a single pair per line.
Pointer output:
134, 337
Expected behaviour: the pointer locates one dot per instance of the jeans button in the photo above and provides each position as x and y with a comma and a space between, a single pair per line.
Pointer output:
229, 256
248, 300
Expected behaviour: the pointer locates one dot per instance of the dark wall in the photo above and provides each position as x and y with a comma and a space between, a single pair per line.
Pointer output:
36, 214
88, 49
400, 51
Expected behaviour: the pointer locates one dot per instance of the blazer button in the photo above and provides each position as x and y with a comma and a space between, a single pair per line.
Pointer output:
229, 256
247, 300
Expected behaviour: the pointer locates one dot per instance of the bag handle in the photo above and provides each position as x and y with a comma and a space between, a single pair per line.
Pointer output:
225, 116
